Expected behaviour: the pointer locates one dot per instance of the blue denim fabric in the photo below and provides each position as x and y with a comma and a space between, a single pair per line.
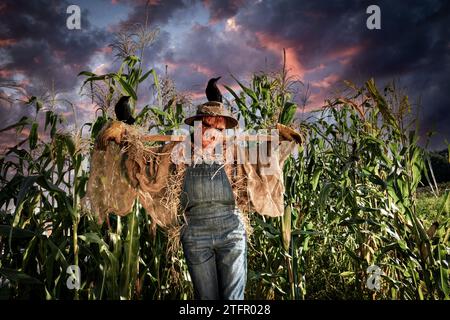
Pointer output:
206, 186
214, 239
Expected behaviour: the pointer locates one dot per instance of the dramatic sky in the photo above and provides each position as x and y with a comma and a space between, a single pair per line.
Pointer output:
326, 42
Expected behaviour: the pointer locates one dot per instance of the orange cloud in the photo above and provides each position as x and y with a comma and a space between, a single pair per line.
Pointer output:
276, 45
7, 42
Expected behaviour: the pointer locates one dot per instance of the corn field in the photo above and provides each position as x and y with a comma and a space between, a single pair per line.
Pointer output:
350, 201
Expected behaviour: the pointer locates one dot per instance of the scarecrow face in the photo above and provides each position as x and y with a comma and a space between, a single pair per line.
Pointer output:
212, 130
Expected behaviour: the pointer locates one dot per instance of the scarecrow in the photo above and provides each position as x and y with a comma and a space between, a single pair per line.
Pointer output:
203, 185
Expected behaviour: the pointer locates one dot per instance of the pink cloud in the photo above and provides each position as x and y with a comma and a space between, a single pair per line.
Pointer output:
10, 73
86, 106
24, 82
75, 66
11, 138
154, 2
3, 7
345, 54
173, 66
201, 69
276, 45
105, 50
195, 95
320, 67
6, 73
59, 54
316, 101
327, 81
101, 69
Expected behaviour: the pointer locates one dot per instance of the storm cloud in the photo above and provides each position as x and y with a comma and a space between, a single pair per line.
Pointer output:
326, 42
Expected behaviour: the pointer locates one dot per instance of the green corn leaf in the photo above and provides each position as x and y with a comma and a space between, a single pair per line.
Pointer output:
288, 113
19, 233
87, 73
57, 252
347, 274
127, 88
324, 194
145, 76
315, 178
444, 273
159, 112
95, 77
130, 267
98, 125
247, 90
33, 137
240, 102
18, 276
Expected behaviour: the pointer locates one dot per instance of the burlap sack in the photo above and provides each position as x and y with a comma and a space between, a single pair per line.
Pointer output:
123, 169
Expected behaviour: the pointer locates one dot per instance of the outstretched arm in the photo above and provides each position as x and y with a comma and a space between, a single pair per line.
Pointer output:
289, 134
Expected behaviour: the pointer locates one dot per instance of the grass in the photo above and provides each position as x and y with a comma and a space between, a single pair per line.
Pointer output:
428, 204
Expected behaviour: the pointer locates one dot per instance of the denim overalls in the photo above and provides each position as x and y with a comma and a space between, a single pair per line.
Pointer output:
213, 238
